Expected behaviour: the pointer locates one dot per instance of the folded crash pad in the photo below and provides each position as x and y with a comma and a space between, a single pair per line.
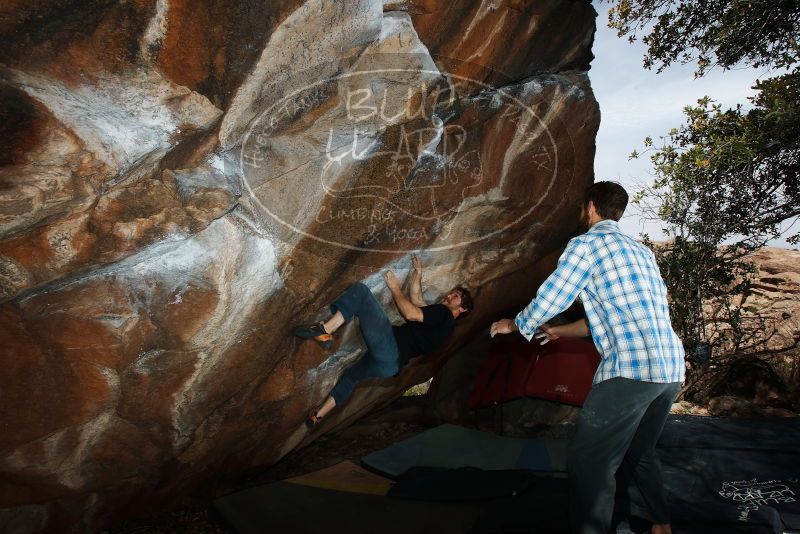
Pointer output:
561, 370
302, 509
453, 447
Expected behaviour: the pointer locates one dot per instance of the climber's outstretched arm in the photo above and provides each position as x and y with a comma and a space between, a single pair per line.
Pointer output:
407, 309
415, 283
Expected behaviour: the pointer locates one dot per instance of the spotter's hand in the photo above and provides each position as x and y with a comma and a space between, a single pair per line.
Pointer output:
416, 263
546, 333
503, 326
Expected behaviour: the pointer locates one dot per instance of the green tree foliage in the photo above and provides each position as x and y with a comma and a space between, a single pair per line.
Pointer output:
726, 180
732, 174
705, 284
759, 33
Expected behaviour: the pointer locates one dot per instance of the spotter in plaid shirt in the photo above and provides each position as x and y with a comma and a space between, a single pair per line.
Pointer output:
640, 372
618, 281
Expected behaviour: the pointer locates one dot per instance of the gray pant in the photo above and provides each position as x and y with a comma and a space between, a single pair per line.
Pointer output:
619, 426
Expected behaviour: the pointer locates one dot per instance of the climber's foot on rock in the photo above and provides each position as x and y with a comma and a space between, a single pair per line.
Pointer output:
316, 332
313, 421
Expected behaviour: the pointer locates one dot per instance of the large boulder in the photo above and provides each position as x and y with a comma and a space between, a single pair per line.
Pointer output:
180, 183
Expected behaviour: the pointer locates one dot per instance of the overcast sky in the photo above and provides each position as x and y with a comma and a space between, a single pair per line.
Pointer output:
635, 103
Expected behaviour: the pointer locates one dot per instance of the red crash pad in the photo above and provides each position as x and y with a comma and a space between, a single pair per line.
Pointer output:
561, 370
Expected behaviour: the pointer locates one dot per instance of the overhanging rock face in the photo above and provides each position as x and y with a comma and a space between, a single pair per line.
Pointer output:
183, 182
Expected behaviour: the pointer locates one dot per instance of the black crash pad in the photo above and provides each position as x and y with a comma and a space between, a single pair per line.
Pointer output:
746, 471
746, 480
459, 485
781, 434
285, 507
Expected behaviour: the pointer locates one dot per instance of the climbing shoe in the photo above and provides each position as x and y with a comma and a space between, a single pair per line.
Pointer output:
315, 332
313, 421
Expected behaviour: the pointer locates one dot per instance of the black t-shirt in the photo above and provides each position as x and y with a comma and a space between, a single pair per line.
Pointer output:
417, 338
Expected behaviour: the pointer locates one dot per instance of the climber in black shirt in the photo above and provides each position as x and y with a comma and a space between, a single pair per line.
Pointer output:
388, 347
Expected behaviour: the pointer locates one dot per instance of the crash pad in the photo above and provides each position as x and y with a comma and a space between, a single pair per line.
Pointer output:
302, 509
780, 434
725, 471
747, 481
345, 476
459, 485
561, 370
711, 517
721, 475
452, 447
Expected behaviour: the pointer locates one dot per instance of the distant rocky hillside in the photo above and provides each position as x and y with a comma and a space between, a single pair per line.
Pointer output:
777, 290
767, 384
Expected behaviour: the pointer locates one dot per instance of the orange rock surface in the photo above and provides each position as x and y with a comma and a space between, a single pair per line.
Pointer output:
182, 182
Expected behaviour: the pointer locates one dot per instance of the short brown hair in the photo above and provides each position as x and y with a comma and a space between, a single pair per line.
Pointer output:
466, 298
609, 198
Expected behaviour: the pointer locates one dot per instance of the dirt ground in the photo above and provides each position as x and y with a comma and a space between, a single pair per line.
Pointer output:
401, 420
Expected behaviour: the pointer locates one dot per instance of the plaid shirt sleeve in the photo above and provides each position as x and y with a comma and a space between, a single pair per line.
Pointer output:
560, 289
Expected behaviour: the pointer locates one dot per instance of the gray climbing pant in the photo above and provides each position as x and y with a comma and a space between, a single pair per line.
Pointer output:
619, 426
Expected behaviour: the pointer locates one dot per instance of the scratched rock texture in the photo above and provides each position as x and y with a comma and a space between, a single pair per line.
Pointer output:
181, 182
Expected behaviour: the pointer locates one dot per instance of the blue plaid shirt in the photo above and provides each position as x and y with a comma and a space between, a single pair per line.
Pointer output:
625, 299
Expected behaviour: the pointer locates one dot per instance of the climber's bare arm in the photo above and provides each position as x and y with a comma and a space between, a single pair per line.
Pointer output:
407, 309
415, 284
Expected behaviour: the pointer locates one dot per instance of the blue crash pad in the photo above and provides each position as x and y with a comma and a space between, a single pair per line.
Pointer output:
453, 447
